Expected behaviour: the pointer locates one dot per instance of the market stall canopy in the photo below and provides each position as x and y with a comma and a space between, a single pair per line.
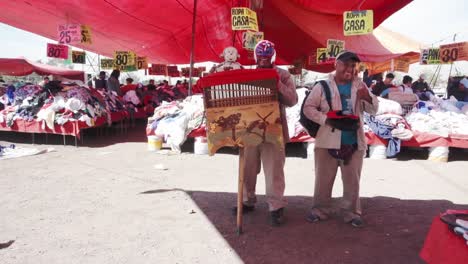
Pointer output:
397, 44
161, 29
22, 67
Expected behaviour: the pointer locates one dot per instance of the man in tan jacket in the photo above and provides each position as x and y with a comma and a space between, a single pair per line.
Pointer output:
269, 155
336, 148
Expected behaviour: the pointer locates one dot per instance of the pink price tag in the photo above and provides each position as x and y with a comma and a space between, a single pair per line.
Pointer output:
57, 51
69, 34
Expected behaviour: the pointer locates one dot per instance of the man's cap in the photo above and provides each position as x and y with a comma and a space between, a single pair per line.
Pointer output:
347, 55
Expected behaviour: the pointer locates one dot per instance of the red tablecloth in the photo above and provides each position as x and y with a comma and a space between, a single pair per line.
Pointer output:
422, 140
419, 139
72, 128
118, 116
442, 246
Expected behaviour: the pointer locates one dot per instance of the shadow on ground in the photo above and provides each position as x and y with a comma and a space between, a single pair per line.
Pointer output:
6, 244
394, 233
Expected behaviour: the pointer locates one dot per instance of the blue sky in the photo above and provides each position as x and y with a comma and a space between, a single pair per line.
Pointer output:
426, 21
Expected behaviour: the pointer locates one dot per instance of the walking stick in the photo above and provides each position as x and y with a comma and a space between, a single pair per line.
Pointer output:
240, 190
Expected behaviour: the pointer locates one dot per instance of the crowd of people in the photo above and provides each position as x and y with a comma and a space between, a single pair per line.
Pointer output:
383, 86
138, 94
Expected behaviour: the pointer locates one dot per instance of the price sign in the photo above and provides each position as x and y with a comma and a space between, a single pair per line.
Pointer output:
142, 63
173, 71
334, 47
69, 34
358, 22
401, 64
79, 57
57, 51
158, 69
124, 58
429, 56
243, 19
107, 64
322, 56
250, 39
86, 35
185, 71
454, 52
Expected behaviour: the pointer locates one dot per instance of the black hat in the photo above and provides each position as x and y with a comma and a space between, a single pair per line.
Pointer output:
347, 55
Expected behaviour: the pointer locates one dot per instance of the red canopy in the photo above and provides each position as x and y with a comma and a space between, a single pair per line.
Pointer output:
21, 67
161, 29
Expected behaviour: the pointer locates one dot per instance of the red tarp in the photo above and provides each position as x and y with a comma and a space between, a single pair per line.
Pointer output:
161, 29
21, 67
443, 246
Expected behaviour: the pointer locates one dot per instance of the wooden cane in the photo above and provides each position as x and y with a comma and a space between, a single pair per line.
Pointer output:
240, 191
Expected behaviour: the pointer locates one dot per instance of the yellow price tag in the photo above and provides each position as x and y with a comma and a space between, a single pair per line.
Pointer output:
429, 56
322, 57
243, 19
79, 57
358, 22
107, 64
250, 39
124, 58
142, 63
86, 34
334, 47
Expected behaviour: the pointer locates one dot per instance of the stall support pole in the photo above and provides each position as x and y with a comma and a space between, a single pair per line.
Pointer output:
240, 191
192, 51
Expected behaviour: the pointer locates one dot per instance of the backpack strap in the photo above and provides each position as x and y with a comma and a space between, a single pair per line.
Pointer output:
327, 91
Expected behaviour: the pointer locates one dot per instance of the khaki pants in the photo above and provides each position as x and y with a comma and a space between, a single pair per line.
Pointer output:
273, 160
326, 168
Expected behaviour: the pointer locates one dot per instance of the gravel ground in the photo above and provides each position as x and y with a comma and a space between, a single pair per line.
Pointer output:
109, 201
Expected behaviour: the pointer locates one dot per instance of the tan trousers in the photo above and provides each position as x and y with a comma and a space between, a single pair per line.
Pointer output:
326, 168
273, 160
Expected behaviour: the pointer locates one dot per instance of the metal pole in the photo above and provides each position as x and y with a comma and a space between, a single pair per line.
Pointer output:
192, 51
451, 64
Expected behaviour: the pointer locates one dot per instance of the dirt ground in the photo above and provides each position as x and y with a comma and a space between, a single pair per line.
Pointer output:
109, 202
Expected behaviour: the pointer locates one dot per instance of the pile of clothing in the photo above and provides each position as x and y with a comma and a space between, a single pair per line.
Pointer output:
440, 117
391, 127
55, 103
174, 120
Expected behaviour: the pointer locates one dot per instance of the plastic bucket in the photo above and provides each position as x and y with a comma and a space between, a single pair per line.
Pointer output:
200, 146
377, 152
310, 150
154, 143
439, 154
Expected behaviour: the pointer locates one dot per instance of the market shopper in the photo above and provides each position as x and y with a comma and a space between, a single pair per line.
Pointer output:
267, 154
46, 80
381, 86
460, 91
113, 83
406, 86
421, 86
339, 148
101, 83
129, 86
